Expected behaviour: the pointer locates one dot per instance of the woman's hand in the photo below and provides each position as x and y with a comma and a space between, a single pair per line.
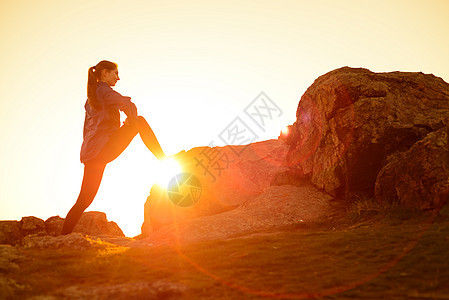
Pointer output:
128, 122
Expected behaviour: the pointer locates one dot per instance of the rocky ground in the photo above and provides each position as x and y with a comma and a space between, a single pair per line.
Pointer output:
392, 254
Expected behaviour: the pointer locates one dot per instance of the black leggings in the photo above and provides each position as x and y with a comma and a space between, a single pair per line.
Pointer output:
93, 169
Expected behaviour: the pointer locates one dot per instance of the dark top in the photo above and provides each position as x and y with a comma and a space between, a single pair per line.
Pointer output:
100, 124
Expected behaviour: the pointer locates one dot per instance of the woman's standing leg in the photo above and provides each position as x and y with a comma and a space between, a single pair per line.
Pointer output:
93, 174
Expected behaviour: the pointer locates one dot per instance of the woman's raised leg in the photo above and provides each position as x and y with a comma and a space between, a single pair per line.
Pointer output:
93, 174
120, 140
149, 138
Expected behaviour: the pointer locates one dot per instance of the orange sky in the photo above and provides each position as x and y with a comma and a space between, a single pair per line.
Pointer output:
191, 67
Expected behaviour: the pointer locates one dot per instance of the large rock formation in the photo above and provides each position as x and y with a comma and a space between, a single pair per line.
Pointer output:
350, 121
357, 133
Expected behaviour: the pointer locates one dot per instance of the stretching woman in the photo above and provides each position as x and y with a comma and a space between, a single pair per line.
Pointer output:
104, 139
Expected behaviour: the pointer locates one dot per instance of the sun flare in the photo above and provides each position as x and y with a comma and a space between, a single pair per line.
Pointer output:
166, 170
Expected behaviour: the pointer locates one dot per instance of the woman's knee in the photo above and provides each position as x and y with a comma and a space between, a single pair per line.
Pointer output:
136, 123
141, 120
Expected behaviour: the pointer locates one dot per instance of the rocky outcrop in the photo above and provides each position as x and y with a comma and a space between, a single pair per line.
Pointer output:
227, 177
91, 223
351, 120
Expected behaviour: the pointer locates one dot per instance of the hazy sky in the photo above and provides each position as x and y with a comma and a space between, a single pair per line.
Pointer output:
191, 67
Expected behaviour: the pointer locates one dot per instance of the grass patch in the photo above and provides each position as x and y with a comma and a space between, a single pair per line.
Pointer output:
365, 208
395, 258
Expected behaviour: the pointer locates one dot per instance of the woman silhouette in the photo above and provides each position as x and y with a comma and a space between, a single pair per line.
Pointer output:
103, 138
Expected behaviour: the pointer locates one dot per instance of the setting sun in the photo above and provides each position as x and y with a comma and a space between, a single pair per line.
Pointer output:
166, 170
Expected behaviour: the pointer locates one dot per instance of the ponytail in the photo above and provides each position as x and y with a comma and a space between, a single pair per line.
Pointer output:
93, 76
92, 89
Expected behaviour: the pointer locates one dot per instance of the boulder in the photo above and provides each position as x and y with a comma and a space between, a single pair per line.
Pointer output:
223, 178
91, 223
418, 177
54, 225
10, 232
349, 121
95, 223
32, 225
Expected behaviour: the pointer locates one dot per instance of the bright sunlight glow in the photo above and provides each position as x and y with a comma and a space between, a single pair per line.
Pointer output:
166, 170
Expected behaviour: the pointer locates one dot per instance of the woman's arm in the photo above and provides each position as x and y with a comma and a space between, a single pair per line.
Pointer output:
123, 103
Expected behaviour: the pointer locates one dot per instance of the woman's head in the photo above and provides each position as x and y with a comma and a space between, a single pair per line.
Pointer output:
104, 71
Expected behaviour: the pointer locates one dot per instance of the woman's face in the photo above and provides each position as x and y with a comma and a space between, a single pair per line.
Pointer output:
110, 77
